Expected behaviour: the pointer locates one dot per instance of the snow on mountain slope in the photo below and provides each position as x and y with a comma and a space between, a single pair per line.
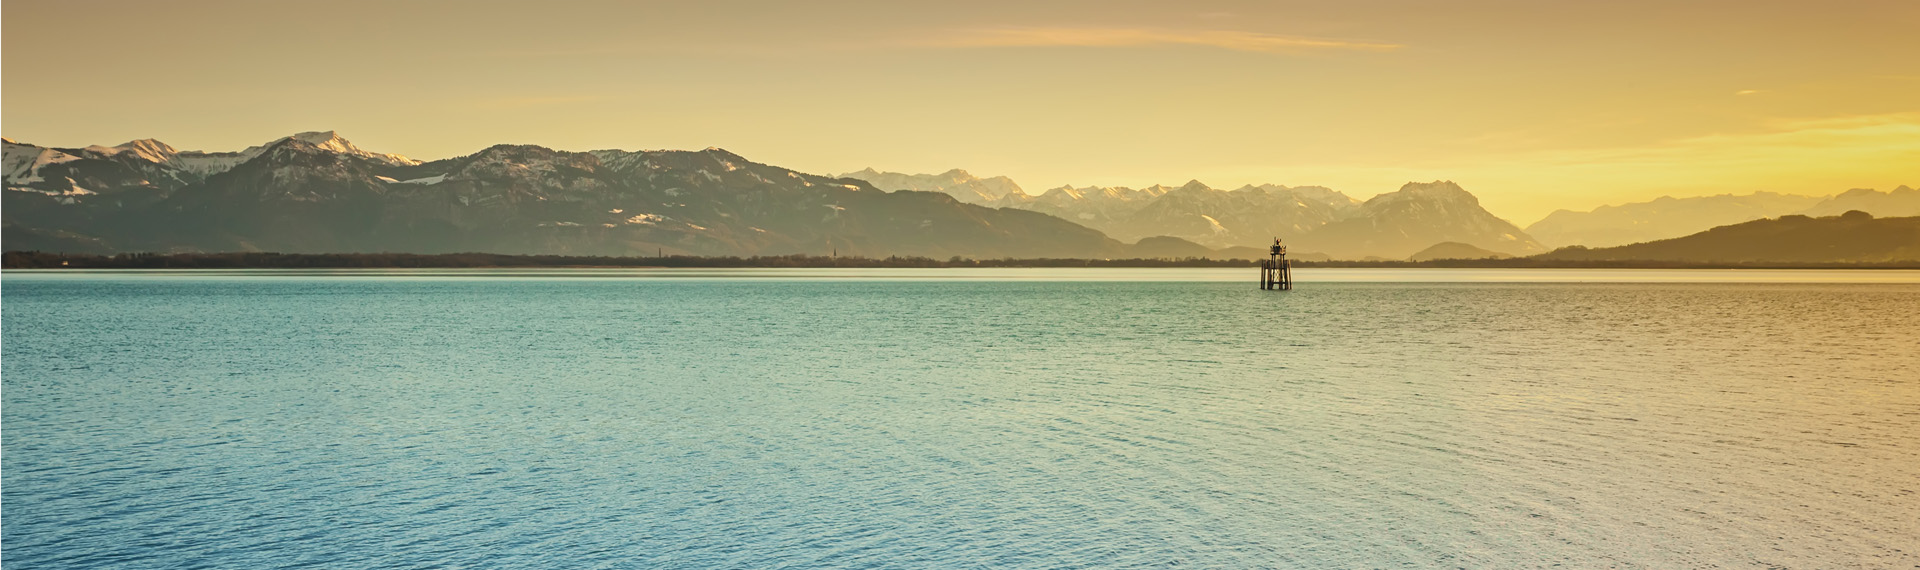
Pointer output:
145, 149
24, 161
151, 164
958, 183
331, 141
1398, 224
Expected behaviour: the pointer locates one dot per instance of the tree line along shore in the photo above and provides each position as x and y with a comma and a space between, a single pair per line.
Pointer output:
268, 260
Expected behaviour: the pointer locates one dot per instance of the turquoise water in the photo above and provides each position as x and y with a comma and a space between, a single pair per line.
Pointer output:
1047, 419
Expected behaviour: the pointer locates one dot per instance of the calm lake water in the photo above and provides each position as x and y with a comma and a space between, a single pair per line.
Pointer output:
941, 419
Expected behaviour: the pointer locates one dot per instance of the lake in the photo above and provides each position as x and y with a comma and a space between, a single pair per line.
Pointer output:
1041, 418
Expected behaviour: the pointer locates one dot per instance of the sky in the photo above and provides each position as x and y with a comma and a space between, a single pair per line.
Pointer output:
1531, 105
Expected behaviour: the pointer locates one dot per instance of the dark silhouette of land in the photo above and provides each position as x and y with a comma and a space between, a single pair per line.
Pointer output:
1851, 240
47, 260
1855, 236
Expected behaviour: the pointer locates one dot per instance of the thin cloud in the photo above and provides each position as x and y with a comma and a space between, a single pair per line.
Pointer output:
1133, 37
506, 103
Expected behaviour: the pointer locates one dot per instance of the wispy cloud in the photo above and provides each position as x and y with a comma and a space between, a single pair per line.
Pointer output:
1128, 37
992, 37
505, 103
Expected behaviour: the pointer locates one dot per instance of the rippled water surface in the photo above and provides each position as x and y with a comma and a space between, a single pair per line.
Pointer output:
711, 421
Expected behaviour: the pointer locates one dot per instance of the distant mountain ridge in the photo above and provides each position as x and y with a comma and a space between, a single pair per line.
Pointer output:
1455, 250
316, 192
1662, 218
958, 183
1247, 216
1668, 217
1901, 202
145, 163
1398, 224
1315, 218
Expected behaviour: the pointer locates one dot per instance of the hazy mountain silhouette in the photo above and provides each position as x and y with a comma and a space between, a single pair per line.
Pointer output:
1851, 237
1662, 218
958, 183
1248, 216
1166, 246
1101, 208
1455, 250
1390, 226
1398, 224
1902, 201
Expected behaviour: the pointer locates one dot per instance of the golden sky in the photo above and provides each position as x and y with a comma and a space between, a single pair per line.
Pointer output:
1533, 105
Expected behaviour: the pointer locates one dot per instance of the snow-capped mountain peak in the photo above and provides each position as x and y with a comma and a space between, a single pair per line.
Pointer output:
24, 161
149, 150
325, 138
1436, 190
148, 164
330, 141
960, 184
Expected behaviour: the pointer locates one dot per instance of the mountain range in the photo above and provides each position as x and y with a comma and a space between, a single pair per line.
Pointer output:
316, 192
1398, 224
1901, 202
1324, 221
1662, 218
957, 183
1248, 216
1314, 218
